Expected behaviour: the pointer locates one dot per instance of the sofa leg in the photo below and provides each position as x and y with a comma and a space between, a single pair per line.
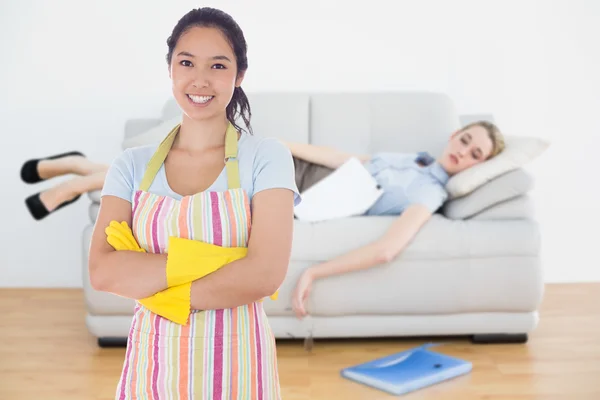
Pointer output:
112, 342
499, 338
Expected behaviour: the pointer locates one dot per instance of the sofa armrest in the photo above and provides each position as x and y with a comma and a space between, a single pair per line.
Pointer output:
520, 207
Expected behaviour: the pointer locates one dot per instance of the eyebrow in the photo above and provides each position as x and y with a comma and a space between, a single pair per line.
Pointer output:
477, 149
186, 54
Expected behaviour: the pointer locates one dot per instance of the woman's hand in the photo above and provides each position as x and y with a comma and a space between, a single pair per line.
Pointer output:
301, 293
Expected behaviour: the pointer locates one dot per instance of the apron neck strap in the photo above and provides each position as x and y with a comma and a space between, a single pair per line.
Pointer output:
159, 157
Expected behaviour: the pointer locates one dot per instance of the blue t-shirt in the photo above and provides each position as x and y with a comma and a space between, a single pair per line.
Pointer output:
405, 183
264, 163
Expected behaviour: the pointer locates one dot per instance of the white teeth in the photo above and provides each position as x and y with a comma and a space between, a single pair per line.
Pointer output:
199, 99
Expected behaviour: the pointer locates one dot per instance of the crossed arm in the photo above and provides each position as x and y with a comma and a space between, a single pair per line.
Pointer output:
258, 275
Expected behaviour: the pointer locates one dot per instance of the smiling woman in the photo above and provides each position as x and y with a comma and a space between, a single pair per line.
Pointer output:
199, 329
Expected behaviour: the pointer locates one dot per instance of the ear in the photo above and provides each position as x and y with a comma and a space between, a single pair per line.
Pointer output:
240, 78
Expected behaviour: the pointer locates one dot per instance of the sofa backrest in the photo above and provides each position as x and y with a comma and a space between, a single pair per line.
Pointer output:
373, 122
401, 121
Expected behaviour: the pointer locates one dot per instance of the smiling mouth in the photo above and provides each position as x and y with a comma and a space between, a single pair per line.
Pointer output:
454, 159
199, 99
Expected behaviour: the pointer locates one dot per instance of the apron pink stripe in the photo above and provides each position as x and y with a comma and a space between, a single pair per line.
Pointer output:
155, 218
149, 226
156, 360
218, 356
127, 362
259, 369
141, 200
136, 201
216, 217
233, 240
150, 359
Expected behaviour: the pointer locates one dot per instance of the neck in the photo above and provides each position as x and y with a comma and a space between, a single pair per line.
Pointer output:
201, 135
441, 162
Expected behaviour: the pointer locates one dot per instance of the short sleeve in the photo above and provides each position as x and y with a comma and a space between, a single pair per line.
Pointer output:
274, 168
431, 196
119, 178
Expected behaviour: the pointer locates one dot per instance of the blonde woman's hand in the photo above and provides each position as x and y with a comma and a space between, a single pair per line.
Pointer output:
301, 293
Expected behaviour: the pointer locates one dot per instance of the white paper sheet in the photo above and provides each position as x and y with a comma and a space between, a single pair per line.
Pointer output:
348, 191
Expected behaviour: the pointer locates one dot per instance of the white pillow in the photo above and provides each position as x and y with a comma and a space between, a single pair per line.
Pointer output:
518, 151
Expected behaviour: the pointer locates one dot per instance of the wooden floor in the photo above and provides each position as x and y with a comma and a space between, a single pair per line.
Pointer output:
46, 353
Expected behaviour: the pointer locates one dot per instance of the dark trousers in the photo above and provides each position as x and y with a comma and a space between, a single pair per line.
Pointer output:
307, 173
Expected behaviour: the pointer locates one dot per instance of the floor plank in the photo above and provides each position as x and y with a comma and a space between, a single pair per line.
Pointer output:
47, 353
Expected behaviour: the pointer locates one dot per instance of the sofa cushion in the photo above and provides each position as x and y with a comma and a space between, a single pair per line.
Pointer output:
439, 238
497, 190
519, 151
451, 267
443, 287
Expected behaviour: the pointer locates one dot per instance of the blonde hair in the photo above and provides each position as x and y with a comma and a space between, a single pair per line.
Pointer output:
494, 133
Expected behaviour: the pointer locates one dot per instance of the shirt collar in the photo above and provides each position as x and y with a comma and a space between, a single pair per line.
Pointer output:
434, 167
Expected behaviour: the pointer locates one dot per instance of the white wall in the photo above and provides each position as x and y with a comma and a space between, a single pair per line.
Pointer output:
73, 71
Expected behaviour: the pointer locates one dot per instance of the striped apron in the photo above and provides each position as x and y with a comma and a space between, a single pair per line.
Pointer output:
219, 354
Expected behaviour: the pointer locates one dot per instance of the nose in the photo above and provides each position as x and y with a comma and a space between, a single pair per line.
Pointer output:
200, 81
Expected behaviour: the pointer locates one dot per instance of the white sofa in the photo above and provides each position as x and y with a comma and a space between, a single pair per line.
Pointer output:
474, 269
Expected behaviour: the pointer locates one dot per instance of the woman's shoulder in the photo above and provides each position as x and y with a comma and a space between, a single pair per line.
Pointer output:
255, 148
138, 154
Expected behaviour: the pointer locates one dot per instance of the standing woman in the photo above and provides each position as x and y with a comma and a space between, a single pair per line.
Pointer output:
210, 182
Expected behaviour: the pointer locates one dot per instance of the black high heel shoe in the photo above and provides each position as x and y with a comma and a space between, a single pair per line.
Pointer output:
29, 172
38, 210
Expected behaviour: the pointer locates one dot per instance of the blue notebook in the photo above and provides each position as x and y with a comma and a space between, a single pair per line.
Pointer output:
407, 371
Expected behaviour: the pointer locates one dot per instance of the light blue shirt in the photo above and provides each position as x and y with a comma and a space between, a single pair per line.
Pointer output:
264, 163
405, 182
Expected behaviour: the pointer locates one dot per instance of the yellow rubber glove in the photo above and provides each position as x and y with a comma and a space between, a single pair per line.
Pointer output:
120, 237
189, 260
172, 303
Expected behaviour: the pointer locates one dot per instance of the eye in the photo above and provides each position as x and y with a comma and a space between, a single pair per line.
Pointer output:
218, 66
186, 63
464, 140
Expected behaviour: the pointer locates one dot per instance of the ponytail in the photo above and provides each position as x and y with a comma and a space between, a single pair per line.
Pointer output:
239, 106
